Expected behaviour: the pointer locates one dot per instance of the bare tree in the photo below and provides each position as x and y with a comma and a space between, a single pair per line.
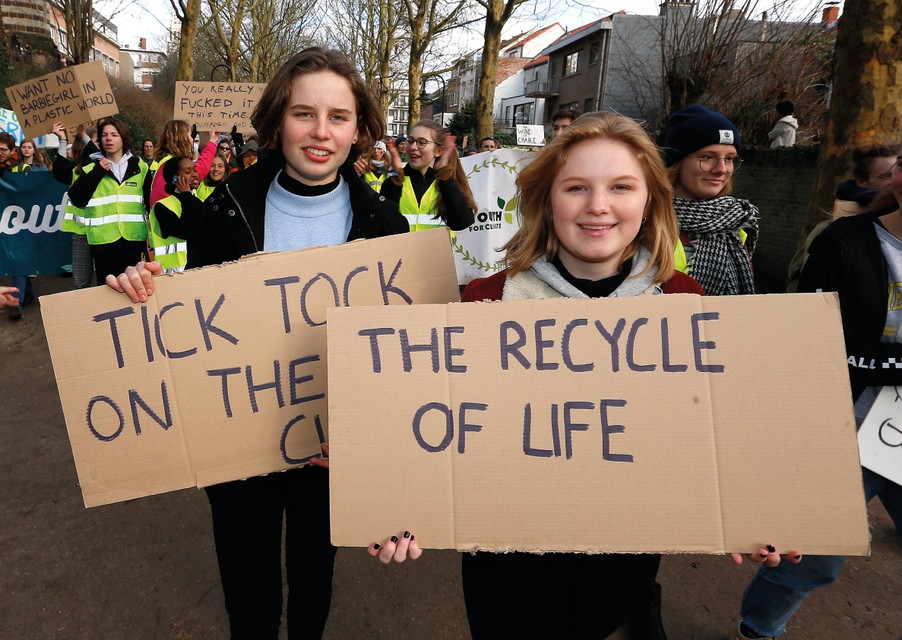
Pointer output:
366, 33
187, 13
424, 21
866, 103
254, 37
79, 18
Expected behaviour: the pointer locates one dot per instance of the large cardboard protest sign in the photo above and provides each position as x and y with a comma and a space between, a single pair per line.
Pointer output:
650, 424
880, 436
221, 374
73, 95
217, 106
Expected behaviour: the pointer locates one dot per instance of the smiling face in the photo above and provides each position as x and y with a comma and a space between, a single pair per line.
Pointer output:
598, 199
319, 127
111, 141
694, 183
421, 158
217, 169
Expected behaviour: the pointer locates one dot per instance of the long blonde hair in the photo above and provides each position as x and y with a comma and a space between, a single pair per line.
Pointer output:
536, 236
175, 140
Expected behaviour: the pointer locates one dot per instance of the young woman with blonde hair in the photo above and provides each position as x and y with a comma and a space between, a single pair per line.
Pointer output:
596, 221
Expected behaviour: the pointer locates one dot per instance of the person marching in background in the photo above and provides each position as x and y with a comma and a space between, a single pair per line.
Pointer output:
431, 189
718, 232
113, 192
219, 171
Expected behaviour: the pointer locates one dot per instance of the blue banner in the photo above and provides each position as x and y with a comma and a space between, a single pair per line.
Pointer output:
32, 206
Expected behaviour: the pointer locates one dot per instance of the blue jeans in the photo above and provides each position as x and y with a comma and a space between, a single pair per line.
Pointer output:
775, 593
23, 284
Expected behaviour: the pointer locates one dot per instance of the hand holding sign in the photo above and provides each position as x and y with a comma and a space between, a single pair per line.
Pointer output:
396, 548
769, 556
137, 281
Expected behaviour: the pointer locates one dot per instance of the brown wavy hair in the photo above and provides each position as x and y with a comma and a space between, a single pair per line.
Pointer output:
175, 140
124, 132
536, 236
267, 115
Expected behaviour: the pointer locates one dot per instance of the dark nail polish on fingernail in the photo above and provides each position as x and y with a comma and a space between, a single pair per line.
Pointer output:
407, 534
377, 546
797, 557
394, 538
412, 537
770, 548
762, 555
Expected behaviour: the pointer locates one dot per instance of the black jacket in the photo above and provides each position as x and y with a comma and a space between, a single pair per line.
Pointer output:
847, 258
232, 224
456, 213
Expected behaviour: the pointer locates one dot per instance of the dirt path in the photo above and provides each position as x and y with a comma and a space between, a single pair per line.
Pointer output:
146, 569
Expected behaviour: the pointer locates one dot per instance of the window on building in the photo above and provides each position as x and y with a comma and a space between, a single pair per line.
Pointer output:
523, 113
571, 63
507, 115
594, 49
589, 105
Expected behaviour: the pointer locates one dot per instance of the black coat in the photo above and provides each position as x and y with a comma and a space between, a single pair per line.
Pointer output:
847, 258
85, 185
232, 225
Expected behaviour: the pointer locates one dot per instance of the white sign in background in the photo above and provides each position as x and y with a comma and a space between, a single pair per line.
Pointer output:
880, 436
492, 177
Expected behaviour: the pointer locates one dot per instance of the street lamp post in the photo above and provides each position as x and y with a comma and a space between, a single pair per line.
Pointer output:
425, 98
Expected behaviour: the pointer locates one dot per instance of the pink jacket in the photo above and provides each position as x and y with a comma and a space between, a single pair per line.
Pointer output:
158, 186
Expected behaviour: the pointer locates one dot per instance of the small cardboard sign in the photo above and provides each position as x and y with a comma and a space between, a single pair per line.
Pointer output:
671, 423
880, 436
221, 375
73, 95
530, 135
217, 106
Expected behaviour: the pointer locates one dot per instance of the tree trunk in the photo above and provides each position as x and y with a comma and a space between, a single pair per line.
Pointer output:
485, 90
866, 104
188, 34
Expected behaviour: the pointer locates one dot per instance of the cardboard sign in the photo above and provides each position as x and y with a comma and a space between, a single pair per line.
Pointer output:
880, 436
217, 106
670, 423
531, 135
74, 95
222, 374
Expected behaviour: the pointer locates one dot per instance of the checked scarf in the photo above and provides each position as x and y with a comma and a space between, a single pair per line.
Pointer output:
721, 264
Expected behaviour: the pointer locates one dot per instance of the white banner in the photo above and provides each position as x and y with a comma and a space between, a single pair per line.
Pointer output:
492, 177
880, 436
10, 124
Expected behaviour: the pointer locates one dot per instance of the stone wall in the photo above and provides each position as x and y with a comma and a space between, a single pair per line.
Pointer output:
779, 183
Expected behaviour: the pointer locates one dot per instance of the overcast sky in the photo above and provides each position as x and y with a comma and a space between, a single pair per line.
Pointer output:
150, 18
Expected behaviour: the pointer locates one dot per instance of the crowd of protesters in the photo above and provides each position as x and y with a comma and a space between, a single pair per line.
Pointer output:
603, 213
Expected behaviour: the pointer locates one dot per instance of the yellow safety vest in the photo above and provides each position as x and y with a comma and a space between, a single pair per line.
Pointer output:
116, 210
73, 218
204, 191
420, 215
374, 181
171, 252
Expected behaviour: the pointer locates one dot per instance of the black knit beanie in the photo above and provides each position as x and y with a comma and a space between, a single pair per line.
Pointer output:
695, 127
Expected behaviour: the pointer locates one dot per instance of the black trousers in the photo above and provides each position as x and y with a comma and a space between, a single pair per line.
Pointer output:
247, 527
556, 595
114, 257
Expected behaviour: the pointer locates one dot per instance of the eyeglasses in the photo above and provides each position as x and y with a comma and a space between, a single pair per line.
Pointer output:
223, 147
420, 142
708, 162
